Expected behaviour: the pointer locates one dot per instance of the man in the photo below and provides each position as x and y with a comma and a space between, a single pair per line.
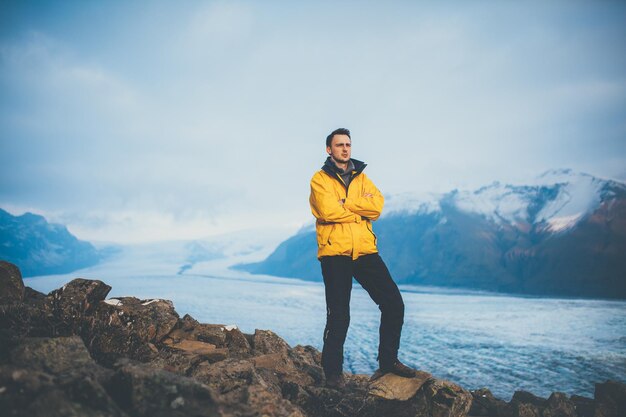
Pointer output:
345, 202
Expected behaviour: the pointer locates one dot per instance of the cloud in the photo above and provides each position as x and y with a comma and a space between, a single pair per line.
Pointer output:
214, 116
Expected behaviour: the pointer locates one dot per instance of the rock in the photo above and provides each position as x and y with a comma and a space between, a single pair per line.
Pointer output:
190, 329
56, 355
31, 295
29, 318
129, 327
150, 362
394, 387
321, 401
23, 311
11, 284
76, 299
610, 398
584, 406
176, 361
237, 343
226, 337
440, 398
247, 388
144, 391
519, 409
558, 405
197, 348
308, 360
529, 398
55, 376
228, 375
525, 404
266, 341
485, 404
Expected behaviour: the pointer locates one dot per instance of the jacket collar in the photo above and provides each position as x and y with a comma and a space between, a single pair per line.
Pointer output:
331, 169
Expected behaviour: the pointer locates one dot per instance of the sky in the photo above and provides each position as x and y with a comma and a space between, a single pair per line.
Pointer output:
156, 120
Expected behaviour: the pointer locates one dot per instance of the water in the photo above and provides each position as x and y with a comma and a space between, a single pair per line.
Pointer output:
477, 340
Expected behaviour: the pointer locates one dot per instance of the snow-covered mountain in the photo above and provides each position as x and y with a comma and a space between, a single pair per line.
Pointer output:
556, 201
564, 233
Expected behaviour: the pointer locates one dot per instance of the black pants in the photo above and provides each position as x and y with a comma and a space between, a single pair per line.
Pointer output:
372, 273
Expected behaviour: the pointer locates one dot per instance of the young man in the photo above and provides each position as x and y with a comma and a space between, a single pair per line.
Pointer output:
345, 202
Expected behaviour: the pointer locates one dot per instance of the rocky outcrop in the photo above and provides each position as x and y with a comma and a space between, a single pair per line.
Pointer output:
11, 284
75, 353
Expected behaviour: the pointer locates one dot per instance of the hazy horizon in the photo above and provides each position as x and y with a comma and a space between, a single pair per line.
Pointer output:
150, 121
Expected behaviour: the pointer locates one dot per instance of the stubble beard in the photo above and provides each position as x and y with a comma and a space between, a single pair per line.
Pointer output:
341, 159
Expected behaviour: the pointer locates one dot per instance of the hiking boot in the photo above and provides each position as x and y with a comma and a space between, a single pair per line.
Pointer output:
335, 381
400, 369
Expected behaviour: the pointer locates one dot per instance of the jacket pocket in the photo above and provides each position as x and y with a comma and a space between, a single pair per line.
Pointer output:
369, 227
323, 235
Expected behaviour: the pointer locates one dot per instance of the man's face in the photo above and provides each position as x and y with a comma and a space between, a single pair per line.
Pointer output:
340, 148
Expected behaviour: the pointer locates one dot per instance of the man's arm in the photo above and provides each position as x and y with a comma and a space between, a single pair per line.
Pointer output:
325, 206
369, 204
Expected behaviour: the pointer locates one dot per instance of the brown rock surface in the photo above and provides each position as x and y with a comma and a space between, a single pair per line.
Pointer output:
128, 327
78, 297
394, 387
11, 284
610, 398
150, 362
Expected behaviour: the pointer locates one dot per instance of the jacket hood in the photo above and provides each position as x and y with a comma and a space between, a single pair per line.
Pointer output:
332, 169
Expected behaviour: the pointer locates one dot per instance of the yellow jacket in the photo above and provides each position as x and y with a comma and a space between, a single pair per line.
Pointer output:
345, 228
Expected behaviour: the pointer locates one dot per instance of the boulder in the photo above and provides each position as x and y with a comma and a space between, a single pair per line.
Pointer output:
610, 399
197, 348
190, 329
55, 376
56, 355
32, 317
74, 301
266, 341
308, 360
439, 398
558, 405
394, 387
176, 361
524, 404
584, 406
237, 343
227, 340
485, 404
246, 389
147, 392
129, 327
11, 284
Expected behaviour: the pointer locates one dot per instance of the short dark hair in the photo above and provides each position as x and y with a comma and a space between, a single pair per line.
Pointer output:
340, 131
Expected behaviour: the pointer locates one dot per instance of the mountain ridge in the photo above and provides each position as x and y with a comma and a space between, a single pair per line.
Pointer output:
565, 235
41, 248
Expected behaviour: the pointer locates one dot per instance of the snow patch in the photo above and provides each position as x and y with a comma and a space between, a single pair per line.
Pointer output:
496, 202
230, 327
412, 203
576, 198
561, 224
113, 302
151, 301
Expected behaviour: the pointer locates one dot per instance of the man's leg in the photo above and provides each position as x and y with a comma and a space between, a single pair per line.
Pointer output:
337, 273
372, 273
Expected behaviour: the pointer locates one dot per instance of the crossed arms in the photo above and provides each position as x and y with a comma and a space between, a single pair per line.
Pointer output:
328, 209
